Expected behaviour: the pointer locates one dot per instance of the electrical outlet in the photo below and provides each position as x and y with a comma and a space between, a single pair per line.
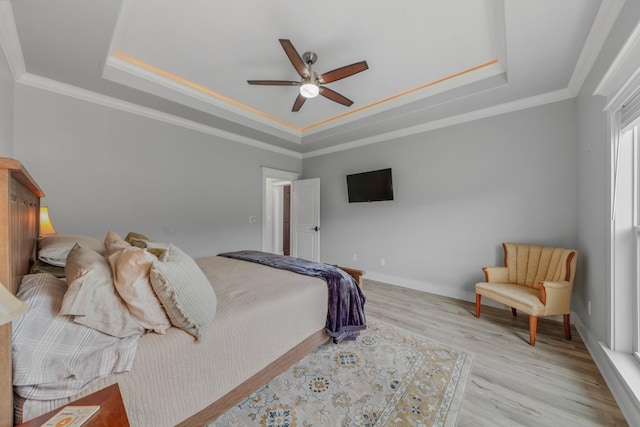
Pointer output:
589, 308
355, 257
383, 262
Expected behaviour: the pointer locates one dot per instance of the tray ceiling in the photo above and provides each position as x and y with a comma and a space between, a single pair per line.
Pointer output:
428, 61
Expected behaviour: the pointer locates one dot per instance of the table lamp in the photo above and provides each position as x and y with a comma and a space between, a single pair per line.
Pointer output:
46, 228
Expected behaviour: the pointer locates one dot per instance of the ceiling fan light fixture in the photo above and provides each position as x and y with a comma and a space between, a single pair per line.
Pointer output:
309, 89
312, 84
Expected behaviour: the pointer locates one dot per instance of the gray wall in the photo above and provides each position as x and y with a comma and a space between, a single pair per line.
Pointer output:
593, 214
6, 107
459, 192
103, 168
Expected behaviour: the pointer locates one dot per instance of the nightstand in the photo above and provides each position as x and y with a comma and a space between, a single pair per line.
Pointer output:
356, 274
111, 413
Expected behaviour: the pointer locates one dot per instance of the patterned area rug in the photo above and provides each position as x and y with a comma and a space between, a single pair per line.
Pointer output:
387, 377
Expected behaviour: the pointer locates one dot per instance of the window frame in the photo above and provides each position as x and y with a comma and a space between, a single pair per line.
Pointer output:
636, 228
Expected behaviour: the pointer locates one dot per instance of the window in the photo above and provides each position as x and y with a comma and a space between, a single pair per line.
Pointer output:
618, 358
632, 135
629, 119
625, 242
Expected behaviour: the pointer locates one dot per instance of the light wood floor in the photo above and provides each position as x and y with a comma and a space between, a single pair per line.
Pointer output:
555, 383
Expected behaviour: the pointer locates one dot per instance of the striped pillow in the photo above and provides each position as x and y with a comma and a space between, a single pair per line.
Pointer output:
184, 291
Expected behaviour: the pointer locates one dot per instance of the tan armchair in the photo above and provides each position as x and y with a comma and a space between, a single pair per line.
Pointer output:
537, 280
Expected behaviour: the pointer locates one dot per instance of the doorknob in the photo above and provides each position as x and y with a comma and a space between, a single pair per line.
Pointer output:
316, 228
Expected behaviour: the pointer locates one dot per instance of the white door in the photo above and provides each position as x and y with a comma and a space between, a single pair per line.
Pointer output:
305, 219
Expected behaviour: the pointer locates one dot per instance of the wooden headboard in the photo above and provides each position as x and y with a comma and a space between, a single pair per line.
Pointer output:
19, 222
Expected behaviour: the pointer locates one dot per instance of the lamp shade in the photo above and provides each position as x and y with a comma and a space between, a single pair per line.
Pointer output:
10, 306
46, 228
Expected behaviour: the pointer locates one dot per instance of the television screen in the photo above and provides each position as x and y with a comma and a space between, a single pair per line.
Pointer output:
374, 186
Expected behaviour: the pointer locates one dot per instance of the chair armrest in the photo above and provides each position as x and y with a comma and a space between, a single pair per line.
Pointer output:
556, 285
496, 274
556, 296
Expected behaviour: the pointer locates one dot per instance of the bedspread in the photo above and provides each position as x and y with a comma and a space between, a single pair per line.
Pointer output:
345, 315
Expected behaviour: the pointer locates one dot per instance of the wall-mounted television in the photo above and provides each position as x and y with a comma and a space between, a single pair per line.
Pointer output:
373, 186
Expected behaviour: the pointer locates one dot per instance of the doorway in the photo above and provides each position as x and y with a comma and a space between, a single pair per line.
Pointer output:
276, 218
286, 220
279, 219
291, 215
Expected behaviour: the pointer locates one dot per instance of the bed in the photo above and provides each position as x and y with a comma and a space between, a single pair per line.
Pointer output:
265, 320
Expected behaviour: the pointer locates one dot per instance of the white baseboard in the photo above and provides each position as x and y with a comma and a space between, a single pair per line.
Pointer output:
432, 288
437, 289
620, 371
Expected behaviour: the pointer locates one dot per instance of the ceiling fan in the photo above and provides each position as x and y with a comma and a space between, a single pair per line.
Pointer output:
311, 82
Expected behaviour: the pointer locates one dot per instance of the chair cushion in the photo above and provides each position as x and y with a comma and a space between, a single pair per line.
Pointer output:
523, 298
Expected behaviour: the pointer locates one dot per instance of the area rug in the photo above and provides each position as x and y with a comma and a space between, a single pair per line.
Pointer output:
387, 377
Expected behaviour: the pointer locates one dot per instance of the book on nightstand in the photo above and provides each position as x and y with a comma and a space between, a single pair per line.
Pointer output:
72, 416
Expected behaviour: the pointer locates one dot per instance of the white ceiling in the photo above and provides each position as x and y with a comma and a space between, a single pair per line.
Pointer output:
430, 62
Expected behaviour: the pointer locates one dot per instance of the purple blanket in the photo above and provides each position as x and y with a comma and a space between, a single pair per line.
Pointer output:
345, 316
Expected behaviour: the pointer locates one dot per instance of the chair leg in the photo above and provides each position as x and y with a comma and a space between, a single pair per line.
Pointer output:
567, 326
514, 312
533, 326
478, 297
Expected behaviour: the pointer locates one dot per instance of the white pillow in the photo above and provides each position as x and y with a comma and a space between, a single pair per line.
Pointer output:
54, 249
130, 267
184, 291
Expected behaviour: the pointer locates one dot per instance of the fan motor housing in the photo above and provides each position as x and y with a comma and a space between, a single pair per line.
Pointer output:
309, 57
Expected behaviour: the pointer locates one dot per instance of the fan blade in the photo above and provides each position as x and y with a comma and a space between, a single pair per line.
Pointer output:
294, 57
335, 96
273, 82
342, 72
297, 105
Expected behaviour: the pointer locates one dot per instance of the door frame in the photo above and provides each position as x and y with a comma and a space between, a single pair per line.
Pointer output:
267, 175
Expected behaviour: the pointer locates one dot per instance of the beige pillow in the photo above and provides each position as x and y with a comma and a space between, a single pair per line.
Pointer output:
54, 249
113, 242
92, 298
184, 291
130, 267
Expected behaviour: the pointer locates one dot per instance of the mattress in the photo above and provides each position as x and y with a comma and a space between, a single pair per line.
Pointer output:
261, 314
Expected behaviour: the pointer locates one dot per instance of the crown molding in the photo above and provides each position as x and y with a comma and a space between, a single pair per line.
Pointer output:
507, 107
498, 25
9, 41
135, 76
623, 69
50, 85
484, 71
100, 99
54, 86
602, 24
